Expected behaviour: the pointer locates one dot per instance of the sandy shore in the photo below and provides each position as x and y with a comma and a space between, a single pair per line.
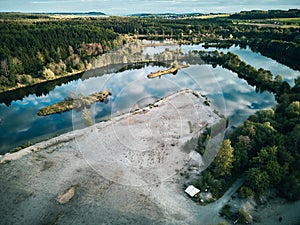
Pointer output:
123, 171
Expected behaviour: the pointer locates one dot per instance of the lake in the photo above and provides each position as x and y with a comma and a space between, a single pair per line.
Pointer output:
231, 96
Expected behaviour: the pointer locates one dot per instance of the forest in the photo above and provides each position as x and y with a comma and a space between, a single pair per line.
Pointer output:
266, 148
39, 47
30, 51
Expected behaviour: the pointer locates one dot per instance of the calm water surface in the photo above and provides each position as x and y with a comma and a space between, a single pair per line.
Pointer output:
230, 95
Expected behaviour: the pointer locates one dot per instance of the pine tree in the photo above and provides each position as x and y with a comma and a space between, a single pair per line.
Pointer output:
224, 159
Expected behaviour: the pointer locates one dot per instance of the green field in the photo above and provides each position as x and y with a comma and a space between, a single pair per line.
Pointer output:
213, 16
276, 21
295, 21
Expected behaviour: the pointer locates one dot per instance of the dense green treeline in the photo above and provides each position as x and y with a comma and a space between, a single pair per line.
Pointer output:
17, 16
266, 148
153, 26
47, 49
261, 14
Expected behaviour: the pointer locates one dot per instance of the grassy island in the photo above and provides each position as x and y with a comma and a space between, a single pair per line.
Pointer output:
74, 103
159, 73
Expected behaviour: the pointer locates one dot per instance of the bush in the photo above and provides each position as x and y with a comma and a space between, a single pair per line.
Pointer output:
245, 216
48, 74
245, 192
25, 79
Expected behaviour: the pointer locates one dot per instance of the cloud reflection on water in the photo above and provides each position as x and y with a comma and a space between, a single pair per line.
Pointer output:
21, 123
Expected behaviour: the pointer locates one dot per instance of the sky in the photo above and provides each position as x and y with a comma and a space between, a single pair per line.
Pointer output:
125, 7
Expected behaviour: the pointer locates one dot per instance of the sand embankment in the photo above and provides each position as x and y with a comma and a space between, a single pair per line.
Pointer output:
123, 171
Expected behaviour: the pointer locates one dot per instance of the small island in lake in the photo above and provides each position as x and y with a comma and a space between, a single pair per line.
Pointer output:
74, 103
159, 73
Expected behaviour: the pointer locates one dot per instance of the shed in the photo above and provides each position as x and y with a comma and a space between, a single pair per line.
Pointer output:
192, 191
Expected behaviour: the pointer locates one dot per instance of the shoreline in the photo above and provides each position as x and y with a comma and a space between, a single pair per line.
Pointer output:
41, 81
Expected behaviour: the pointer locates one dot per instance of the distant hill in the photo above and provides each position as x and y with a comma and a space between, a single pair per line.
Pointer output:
78, 13
20, 15
166, 15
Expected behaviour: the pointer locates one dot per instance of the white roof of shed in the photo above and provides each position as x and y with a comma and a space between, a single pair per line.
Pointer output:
192, 191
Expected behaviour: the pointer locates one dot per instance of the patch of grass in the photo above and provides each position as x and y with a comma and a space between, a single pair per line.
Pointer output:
276, 21
213, 16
